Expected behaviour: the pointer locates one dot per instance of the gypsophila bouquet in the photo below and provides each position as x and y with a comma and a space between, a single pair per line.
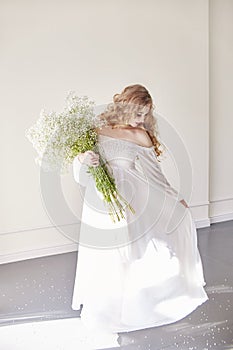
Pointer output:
59, 137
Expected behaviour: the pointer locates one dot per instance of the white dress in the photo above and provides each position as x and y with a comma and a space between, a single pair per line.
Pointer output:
145, 270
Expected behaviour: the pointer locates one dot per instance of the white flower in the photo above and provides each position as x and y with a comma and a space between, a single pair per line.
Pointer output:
54, 133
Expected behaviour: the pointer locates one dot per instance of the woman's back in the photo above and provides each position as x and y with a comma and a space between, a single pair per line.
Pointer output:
136, 135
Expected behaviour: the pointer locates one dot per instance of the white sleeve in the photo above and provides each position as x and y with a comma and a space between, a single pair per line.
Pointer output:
168, 188
154, 173
80, 172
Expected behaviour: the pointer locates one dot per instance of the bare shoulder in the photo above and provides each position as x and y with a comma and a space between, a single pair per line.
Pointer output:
140, 136
105, 130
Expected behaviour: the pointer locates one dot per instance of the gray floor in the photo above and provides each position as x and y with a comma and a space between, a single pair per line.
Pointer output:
41, 289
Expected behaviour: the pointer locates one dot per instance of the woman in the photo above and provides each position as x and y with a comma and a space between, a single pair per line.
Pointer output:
136, 273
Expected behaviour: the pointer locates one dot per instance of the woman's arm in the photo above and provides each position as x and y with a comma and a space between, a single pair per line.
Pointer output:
170, 189
80, 172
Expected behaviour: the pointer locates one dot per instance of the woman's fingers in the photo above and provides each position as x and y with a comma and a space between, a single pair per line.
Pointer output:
184, 203
94, 159
91, 158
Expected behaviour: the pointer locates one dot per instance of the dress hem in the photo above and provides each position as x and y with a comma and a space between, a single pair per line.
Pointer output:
150, 325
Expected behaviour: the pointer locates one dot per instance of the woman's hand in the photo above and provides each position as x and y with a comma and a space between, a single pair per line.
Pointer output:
184, 203
89, 158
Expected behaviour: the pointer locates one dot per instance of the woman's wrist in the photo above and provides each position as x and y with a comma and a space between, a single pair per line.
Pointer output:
79, 158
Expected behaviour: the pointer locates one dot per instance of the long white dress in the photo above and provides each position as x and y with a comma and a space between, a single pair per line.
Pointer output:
145, 270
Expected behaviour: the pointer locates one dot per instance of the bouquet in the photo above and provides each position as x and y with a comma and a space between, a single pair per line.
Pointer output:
59, 137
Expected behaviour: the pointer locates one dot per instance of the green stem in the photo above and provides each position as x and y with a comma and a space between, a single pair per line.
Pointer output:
106, 185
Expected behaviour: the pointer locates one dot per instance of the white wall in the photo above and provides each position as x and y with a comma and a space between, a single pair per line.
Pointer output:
97, 48
221, 110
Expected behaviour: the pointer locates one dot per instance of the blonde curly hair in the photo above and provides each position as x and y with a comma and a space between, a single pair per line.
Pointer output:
127, 103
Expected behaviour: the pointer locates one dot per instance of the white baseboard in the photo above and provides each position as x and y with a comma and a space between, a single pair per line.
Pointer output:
214, 208
202, 223
38, 242
38, 253
221, 218
221, 210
